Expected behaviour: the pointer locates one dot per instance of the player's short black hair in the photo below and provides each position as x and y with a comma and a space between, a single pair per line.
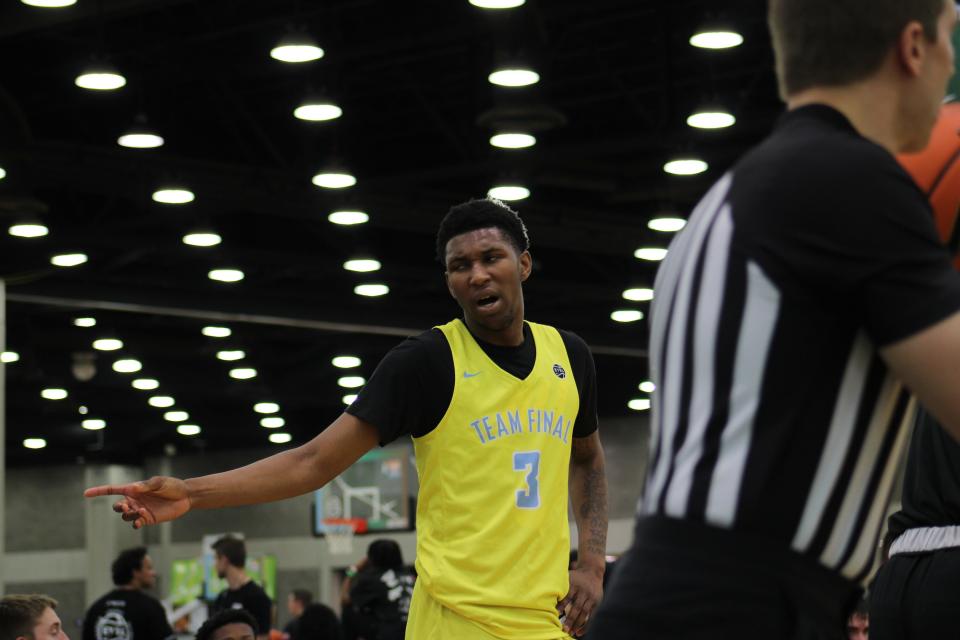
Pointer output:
385, 554
233, 550
222, 619
318, 621
481, 214
127, 562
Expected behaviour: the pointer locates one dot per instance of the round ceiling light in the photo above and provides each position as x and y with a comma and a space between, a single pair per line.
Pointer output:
514, 77
667, 225
347, 218
509, 193
334, 180
371, 290
626, 315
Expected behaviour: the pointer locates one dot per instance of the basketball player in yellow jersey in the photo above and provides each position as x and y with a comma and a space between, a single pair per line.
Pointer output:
503, 418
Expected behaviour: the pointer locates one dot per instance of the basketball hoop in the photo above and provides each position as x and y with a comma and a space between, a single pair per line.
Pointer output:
339, 534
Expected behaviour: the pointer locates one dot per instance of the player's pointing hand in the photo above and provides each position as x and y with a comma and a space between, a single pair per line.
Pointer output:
159, 499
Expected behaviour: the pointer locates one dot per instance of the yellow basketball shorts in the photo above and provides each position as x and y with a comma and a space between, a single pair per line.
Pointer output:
430, 620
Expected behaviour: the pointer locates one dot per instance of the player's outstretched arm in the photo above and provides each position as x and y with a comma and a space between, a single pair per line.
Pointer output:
928, 363
588, 493
284, 475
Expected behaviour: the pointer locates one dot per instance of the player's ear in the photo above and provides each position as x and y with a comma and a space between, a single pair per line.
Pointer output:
526, 265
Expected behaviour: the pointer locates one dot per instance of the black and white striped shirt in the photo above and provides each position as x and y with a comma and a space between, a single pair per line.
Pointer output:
774, 414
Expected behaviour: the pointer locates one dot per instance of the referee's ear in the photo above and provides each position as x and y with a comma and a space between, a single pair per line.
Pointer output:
526, 265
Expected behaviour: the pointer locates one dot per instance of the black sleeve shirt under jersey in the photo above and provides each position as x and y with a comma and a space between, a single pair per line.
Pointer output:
413, 385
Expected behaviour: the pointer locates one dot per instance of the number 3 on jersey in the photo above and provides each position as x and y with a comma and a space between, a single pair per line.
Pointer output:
529, 462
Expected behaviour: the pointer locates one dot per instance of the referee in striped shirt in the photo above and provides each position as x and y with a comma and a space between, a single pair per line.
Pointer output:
806, 299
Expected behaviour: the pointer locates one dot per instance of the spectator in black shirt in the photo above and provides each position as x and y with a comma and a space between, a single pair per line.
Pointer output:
318, 622
297, 601
241, 592
128, 612
378, 591
807, 297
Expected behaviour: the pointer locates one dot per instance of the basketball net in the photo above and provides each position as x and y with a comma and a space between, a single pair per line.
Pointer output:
339, 537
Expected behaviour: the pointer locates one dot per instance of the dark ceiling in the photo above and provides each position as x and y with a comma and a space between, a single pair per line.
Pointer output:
618, 79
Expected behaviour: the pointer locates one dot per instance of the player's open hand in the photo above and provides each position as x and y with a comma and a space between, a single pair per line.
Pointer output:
152, 501
586, 590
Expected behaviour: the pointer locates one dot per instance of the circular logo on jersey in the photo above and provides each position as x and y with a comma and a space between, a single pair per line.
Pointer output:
559, 371
113, 626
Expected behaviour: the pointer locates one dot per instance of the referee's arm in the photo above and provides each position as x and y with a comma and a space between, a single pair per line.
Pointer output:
928, 363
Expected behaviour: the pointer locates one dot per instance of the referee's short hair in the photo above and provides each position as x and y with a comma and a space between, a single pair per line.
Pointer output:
833, 43
222, 619
482, 213
20, 613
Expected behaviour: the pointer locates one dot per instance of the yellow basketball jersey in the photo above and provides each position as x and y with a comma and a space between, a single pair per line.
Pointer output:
492, 535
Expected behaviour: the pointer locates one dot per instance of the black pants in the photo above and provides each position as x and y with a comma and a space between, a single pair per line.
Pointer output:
917, 596
683, 581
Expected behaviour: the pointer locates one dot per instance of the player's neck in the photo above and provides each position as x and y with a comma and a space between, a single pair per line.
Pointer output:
511, 336
870, 106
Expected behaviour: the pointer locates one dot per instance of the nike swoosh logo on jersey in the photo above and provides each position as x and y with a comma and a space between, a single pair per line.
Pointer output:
467, 374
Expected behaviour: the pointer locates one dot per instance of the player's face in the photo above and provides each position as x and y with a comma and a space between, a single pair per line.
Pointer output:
858, 628
484, 275
923, 105
146, 575
233, 631
49, 627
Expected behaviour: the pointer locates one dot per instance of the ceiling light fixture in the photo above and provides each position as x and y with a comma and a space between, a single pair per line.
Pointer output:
226, 275
349, 398
716, 39
685, 167
140, 135
497, 4
161, 402
272, 422
216, 332
346, 362
280, 438
296, 47
647, 386
28, 230
173, 195
93, 424
362, 265
188, 429
626, 315
127, 365
202, 239
243, 373
347, 218
639, 404
371, 290
711, 119
3, 173
34, 443
53, 394
100, 76
49, 4
651, 254
334, 179
667, 225
638, 295
514, 77
85, 322
9, 357
68, 259
231, 355
509, 193
145, 384
351, 382
313, 110
513, 140
107, 344
176, 416
266, 407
